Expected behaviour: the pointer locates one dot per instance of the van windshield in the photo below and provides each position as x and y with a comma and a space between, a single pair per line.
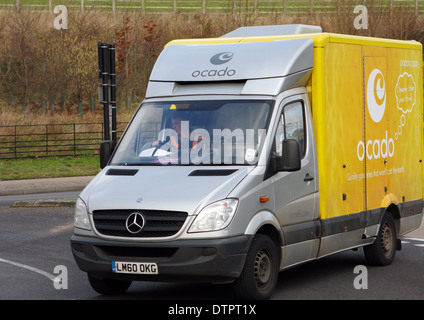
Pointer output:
215, 132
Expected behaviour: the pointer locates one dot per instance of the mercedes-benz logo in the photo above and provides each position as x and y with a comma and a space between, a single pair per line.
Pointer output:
135, 222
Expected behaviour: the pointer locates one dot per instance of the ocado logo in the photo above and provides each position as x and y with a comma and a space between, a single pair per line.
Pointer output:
214, 73
376, 102
221, 58
376, 95
217, 59
375, 149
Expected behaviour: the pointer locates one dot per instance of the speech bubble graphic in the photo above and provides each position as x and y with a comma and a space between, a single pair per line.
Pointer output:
406, 93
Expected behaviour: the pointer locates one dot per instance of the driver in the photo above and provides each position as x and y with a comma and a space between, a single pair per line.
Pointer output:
176, 125
174, 141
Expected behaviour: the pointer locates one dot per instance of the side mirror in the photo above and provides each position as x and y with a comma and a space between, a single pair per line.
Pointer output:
106, 150
291, 155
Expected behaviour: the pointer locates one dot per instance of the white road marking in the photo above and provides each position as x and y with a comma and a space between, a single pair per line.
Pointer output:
414, 244
414, 239
46, 274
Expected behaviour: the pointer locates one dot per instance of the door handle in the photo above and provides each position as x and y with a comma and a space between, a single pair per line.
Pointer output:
308, 178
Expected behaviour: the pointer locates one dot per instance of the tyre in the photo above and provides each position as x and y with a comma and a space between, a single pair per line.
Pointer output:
382, 251
260, 273
108, 286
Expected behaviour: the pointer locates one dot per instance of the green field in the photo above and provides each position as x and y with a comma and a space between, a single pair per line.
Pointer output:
49, 167
214, 6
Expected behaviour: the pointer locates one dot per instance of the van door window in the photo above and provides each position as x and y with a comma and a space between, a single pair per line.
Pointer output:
291, 125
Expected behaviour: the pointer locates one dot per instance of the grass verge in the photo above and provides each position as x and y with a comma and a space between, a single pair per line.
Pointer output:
49, 167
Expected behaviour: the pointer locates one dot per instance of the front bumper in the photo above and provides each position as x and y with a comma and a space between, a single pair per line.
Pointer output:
208, 260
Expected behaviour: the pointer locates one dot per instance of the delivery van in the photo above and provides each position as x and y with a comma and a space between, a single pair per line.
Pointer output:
254, 152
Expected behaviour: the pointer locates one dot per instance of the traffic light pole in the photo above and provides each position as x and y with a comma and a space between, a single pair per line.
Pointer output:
107, 88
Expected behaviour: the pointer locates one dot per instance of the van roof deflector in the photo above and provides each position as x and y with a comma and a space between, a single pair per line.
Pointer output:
275, 30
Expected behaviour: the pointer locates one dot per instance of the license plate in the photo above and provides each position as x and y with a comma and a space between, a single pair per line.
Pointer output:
134, 267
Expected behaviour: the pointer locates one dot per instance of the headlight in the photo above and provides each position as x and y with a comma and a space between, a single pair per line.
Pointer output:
215, 216
81, 219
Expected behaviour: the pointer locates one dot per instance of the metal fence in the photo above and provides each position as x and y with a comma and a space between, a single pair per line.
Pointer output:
52, 140
214, 6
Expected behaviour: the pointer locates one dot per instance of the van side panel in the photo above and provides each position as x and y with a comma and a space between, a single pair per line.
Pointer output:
318, 117
344, 128
404, 169
367, 107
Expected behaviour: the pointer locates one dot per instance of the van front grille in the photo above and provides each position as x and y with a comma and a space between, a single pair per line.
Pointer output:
138, 223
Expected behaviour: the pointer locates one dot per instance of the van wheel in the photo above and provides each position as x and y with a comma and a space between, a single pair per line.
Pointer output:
108, 286
382, 251
260, 272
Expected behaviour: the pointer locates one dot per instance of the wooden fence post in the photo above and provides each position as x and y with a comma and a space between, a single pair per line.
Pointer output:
82, 6
18, 5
